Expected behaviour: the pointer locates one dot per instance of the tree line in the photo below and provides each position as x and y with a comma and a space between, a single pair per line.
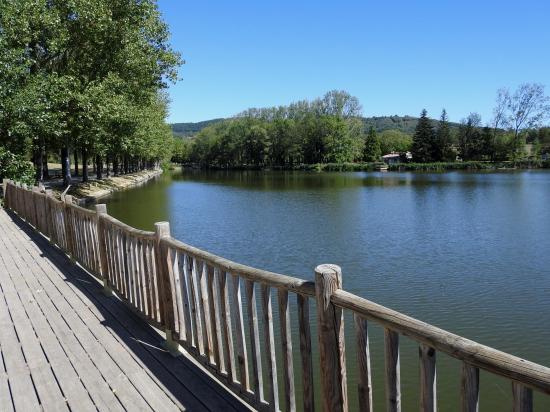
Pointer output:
330, 130
324, 130
517, 119
85, 79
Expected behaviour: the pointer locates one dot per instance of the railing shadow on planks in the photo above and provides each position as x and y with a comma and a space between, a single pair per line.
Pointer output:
197, 299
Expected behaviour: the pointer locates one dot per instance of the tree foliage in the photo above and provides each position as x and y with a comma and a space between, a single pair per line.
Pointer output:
372, 151
423, 146
85, 75
324, 130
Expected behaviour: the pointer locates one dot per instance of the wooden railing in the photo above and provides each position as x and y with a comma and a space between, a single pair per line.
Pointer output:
200, 299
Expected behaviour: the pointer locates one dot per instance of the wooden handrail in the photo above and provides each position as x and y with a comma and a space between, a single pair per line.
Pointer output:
528, 373
292, 284
197, 298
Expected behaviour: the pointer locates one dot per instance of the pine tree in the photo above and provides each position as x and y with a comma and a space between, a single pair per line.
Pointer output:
372, 150
423, 140
442, 149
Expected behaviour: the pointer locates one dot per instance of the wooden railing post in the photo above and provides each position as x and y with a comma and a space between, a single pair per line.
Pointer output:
330, 320
34, 208
101, 209
7, 203
162, 229
68, 200
49, 218
5, 190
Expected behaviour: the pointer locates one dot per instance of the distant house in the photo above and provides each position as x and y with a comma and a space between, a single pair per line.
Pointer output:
395, 158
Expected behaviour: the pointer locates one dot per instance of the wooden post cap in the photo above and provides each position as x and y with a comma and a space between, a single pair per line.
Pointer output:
328, 268
162, 229
328, 278
101, 209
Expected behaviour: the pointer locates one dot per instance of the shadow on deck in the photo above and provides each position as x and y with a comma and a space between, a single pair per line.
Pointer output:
127, 367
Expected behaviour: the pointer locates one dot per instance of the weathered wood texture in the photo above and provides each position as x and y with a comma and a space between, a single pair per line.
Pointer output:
364, 385
65, 345
211, 307
328, 279
520, 370
428, 392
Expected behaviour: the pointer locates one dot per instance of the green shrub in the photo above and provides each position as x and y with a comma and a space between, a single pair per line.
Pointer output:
16, 167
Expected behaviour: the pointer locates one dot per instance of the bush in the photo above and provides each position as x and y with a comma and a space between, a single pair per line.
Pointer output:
15, 167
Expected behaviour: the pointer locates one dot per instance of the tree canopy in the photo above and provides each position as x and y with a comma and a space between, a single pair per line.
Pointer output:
85, 75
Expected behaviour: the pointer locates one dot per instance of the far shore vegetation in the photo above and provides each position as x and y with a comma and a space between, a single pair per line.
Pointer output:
329, 133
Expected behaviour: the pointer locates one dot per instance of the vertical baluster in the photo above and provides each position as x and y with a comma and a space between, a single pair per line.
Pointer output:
269, 339
144, 276
393, 378
162, 230
104, 246
523, 398
131, 269
172, 265
119, 269
305, 353
428, 392
469, 393
226, 325
186, 298
215, 318
254, 342
195, 293
205, 313
364, 385
138, 274
240, 342
286, 340
148, 274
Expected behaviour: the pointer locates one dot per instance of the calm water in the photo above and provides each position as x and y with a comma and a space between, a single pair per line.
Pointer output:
468, 252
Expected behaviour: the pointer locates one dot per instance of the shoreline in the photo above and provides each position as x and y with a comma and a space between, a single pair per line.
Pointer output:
93, 190
400, 167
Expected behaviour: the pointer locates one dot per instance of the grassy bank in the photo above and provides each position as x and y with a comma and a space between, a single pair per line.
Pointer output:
371, 166
473, 165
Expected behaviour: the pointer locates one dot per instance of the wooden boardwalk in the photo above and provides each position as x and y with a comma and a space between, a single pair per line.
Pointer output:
66, 346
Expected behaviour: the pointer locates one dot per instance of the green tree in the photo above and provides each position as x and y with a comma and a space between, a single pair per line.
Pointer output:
469, 138
372, 150
423, 140
442, 150
394, 140
82, 59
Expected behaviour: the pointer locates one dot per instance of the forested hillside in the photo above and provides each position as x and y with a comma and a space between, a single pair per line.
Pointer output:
406, 124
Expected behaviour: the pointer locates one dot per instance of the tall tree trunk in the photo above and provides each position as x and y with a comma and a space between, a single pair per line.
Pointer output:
75, 156
66, 166
99, 167
84, 165
94, 166
38, 163
107, 165
115, 165
45, 170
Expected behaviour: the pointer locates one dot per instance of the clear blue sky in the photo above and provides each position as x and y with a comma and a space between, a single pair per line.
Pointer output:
397, 57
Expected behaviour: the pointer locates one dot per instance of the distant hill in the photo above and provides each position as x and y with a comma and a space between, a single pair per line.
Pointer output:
406, 124
190, 129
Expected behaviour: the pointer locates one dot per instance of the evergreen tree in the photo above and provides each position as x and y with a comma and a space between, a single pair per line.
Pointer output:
372, 150
423, 139
442, 149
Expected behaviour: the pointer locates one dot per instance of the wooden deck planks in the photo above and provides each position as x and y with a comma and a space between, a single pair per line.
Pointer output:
92, 342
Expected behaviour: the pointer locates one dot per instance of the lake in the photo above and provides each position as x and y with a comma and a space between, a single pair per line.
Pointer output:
468, 252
